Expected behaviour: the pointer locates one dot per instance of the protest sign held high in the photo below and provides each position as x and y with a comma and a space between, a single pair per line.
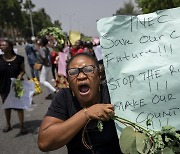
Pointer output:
141, 56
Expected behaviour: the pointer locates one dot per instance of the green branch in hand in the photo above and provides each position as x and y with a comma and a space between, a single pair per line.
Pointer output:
18, 88
135, 139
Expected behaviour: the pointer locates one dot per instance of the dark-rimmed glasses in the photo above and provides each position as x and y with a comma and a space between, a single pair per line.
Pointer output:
73, 72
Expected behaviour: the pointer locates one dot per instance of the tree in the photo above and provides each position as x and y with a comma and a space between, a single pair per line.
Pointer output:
41, 20
26, 30
128, 9
15, 19
10, 16
148, 6
57, 24
28, 5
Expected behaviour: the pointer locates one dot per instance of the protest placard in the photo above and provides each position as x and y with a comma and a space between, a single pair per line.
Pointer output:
141, 56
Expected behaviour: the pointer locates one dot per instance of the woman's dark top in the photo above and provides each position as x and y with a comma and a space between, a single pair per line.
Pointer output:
65, 105
8, 70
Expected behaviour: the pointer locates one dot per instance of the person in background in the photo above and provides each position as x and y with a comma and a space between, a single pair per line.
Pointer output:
11, 66
61, 79
30, 49
98, 54
73, 50
88, 48
78, 47
54, 49
74, 113
43, 57
66, 50
54, 66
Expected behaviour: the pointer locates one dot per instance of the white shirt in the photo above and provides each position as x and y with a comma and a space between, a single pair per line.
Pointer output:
1, 53
98, 52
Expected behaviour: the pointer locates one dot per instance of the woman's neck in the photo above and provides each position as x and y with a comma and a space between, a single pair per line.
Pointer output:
9, 56
95, 100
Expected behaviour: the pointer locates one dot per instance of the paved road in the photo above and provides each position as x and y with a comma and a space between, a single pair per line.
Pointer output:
14, 143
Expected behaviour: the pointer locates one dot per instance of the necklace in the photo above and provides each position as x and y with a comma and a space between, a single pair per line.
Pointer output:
9, 59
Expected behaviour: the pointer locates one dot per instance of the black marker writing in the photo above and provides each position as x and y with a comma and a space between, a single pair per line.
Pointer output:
147, 22
150, 74
162, 98
113, 43
146, 39
143, 116
131, 104
115, 83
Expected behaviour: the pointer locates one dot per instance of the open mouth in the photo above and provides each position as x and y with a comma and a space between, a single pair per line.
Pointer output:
84, 89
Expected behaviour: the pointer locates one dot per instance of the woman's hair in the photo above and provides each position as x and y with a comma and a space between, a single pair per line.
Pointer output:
10, 44
83, 55
44, 41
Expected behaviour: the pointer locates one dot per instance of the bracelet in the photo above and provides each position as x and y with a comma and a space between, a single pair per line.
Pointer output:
85, 112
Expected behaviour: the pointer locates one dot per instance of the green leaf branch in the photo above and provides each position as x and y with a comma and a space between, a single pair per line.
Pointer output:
136, 139
18, 88
57, 35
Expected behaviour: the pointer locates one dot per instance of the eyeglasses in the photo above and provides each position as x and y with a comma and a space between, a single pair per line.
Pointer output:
72, 72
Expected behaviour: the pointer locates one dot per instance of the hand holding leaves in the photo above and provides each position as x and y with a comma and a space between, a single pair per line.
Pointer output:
18, 88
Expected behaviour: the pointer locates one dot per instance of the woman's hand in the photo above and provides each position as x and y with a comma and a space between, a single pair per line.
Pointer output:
20, 77
100, 111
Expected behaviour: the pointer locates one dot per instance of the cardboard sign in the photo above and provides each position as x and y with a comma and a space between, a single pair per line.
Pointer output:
141, 56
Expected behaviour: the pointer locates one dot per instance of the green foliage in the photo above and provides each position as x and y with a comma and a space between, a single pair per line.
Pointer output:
10, 13
41, 20
135, 139
57, 24
18, 88
85, 38
100, 125
128, 9
148, 6
127, 140
143, 143
56, 37
13, 16
28, 4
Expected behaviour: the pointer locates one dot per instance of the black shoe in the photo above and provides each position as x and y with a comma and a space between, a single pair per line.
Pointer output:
6, 129
23, 131
50, 96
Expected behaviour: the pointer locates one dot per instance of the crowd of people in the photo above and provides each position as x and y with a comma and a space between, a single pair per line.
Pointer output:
41, 51
83, 98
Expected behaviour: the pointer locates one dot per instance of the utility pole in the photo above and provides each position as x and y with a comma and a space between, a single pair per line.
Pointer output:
31, 20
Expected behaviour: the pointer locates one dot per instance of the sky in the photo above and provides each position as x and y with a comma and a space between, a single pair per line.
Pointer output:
79, 15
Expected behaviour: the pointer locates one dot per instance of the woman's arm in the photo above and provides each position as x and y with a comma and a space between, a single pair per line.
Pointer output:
20, 76
55, 133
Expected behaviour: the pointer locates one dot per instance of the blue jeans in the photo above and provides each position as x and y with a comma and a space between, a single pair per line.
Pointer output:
34, 73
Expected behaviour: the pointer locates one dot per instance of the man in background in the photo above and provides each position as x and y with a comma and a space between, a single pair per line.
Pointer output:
31, 56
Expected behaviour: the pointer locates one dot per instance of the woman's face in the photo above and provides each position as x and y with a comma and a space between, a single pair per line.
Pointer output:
5, 46
84, 86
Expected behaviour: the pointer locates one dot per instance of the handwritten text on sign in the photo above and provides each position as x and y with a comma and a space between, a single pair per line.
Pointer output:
141, 56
